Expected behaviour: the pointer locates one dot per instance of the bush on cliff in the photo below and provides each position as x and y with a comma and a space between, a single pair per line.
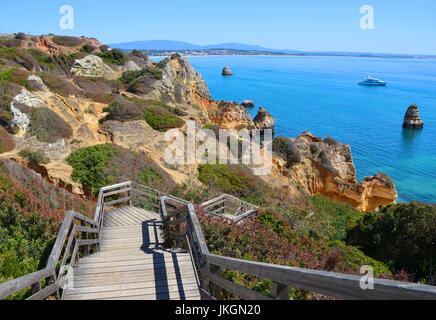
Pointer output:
101, 165
7, 142
129, 76
151, 111
48, 126
287, 149
233, 179
58, 84
89, 165
14, 75
402, 235
67, 41
36, 157
114, 56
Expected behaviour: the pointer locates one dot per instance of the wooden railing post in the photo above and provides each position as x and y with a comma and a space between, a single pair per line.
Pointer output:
216, 290
85, 237
280, 291
36, 287
205, 281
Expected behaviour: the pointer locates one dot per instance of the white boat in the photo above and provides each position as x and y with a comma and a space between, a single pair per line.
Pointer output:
370, 81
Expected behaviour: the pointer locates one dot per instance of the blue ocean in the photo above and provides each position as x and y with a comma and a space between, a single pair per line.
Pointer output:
320, 94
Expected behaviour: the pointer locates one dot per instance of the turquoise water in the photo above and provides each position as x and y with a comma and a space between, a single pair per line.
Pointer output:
320, 94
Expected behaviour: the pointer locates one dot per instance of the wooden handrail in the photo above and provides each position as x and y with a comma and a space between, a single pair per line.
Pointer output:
337, 285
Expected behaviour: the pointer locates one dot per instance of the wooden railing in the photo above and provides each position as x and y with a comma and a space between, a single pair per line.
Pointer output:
79, 236
210, 268
230, 207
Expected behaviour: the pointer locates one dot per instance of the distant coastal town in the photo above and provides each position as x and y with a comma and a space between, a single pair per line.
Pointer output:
236, 52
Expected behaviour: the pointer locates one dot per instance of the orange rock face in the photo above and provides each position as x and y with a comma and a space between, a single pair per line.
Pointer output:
327, 169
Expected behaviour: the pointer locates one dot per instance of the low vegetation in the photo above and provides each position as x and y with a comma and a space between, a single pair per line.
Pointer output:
114, 56
155, 113
67, 41
31, 211
101, 165
129, 76
35, 157
287, 149
233, 179
401, 235
7, 142
48, 126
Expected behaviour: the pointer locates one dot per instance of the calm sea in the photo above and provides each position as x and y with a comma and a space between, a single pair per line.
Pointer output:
320, 94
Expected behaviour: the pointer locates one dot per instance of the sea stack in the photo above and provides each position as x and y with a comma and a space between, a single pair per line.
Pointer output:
227, 72
247, 104
264, 120
412, 119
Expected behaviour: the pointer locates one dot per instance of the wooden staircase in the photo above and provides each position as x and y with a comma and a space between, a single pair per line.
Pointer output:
132, 263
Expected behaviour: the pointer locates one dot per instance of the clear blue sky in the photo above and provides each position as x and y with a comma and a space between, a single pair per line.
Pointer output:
401, 26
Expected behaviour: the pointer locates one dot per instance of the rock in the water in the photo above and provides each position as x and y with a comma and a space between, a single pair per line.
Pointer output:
247, 104
92, 66
412, 119
264, 120
227, 72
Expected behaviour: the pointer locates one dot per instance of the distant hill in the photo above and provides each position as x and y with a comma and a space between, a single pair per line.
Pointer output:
180, 45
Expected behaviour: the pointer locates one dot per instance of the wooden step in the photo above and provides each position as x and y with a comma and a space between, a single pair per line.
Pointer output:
161, 292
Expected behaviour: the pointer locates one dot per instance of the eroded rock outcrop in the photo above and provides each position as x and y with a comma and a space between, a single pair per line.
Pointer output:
92, 66
227, 72
412, 119
326, 167
264, 120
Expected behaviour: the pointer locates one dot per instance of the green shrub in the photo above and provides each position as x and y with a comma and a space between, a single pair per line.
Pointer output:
151, 178
401, 235
7, 142
57, 84
161, 120
36, 157
43, 58
88, 48
14, 75
287, 149
123, 110
149, 110
89, 165
67, 41
114, 56
48, 126
233, 179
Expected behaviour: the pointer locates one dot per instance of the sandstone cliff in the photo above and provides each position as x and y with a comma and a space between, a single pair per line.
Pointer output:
326, 167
